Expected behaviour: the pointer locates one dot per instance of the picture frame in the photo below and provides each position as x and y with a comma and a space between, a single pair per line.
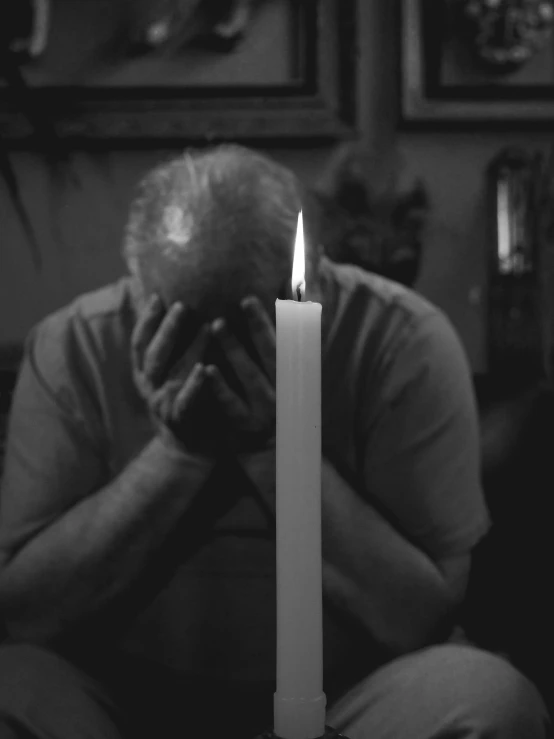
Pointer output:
442, 83
317, 102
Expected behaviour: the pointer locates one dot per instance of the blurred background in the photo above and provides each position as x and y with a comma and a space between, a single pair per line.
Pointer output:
77, 220
436, 172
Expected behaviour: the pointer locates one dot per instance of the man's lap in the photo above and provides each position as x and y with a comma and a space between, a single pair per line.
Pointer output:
449, 690
124, 698
414, 696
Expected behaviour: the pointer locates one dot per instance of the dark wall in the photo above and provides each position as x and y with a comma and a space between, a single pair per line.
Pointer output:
80, 228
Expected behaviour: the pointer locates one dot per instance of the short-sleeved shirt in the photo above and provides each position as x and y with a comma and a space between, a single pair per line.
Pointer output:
399, 422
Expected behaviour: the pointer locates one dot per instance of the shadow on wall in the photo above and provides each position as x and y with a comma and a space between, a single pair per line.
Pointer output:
371, 215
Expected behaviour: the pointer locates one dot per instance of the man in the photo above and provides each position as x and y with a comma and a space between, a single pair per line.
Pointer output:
137, 572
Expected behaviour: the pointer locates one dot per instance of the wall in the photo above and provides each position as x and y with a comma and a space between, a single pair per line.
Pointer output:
80, 227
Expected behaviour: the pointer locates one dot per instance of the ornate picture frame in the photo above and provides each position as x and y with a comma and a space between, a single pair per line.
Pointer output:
316, 102
443, 82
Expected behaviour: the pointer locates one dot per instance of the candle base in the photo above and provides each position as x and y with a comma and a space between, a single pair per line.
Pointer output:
330, 733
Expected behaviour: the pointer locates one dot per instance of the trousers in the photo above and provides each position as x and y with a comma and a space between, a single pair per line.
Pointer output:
440, 692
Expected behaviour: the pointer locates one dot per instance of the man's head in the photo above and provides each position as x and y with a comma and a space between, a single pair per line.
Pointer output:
212, 226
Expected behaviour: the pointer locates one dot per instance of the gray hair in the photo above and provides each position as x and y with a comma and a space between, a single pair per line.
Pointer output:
226, 215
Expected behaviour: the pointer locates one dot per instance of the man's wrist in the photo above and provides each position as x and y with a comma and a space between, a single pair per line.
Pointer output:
178, 454
258, 464
259, 467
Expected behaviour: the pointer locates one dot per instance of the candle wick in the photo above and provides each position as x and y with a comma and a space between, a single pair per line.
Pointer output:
299, 293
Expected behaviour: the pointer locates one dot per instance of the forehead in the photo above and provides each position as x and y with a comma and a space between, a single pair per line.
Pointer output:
214, 288
209, 303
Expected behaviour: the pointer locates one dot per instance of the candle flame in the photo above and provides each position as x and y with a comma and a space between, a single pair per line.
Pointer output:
299, 263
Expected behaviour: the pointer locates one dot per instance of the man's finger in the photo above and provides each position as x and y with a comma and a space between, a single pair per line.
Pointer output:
233, 406
262, 332
162, 345
248, 371
185, 364
163, 399
145, 329
188, 391
255, 384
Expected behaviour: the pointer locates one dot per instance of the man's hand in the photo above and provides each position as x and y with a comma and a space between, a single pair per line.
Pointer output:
250, 412
171, 389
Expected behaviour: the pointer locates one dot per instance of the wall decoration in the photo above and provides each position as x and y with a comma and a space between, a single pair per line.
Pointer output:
373, 215
178, 69
515, 317
506, 35
477, 61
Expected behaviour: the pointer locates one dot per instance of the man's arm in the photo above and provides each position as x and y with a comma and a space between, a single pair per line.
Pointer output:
403, 598
398, 593
396, 552
90, 557
74, 540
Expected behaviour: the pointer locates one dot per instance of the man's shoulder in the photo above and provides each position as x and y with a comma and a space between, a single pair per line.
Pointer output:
379, 297
93, 312
106, 301
86, 340
379, 325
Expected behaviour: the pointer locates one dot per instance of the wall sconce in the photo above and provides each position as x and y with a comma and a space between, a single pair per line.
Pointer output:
24, 27
513, 184
514, 311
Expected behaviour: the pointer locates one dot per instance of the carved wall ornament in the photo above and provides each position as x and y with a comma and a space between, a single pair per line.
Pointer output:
505, 34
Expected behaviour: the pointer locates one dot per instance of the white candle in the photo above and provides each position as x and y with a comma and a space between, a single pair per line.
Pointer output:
299, 701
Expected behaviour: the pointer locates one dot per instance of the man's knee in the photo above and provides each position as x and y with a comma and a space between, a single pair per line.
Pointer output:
443, 690
27, 670
47, 695
495, 698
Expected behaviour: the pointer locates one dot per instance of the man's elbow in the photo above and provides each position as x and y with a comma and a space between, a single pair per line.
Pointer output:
430, 615
427, 617
28, 628
429, 624
22, 628
22, 621
419, 620
28, 633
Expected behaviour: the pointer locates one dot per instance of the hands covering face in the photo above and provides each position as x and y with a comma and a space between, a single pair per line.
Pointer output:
223, 403
250, 407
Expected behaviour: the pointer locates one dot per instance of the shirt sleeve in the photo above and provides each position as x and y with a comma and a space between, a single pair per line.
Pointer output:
54, 453
422, 451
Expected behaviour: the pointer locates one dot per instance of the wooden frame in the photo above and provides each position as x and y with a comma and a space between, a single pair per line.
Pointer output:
318, 104
513, 100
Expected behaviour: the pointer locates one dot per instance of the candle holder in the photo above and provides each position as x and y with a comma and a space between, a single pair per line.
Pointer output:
330, 733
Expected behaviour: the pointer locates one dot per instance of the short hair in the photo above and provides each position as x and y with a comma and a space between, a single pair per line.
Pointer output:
227, 215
